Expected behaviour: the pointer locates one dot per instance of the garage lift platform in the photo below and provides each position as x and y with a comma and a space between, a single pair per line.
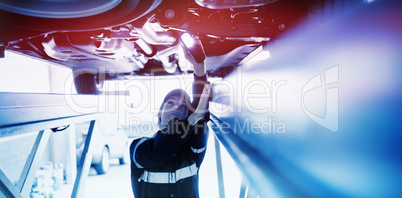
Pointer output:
26, 112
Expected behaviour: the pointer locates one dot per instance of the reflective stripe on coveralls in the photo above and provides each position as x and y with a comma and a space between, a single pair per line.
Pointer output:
135, 149
168, 177
198, 151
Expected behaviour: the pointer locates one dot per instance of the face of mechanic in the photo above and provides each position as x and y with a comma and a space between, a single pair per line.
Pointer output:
174, 107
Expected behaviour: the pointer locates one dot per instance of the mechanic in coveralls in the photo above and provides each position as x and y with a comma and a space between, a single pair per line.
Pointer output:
167, 164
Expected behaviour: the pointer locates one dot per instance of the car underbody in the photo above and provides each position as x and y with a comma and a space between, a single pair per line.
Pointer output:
142, 37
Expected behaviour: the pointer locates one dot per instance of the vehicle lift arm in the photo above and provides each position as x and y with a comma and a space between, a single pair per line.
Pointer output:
26, 112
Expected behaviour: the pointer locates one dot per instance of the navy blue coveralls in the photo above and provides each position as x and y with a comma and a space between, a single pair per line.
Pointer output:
167, 164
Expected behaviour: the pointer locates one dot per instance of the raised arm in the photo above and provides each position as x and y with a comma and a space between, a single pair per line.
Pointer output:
200, 75
199, 68
200, 80
200, 116
200, 91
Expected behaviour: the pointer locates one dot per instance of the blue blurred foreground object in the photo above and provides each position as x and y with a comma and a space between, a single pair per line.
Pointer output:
322, 116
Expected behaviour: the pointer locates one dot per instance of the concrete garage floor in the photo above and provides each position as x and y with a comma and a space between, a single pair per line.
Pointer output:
116, 183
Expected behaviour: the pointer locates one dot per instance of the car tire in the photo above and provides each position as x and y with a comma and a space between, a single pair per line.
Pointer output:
47, 16
88, 83
126, 158
104, 165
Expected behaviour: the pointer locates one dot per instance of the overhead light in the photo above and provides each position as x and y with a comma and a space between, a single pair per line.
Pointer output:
187, 40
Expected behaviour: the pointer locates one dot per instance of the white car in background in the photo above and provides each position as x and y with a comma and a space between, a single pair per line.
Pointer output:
109, 141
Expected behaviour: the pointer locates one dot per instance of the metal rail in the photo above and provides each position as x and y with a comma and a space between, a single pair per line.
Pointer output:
27, 112
83, 165
258, 170
7, 188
